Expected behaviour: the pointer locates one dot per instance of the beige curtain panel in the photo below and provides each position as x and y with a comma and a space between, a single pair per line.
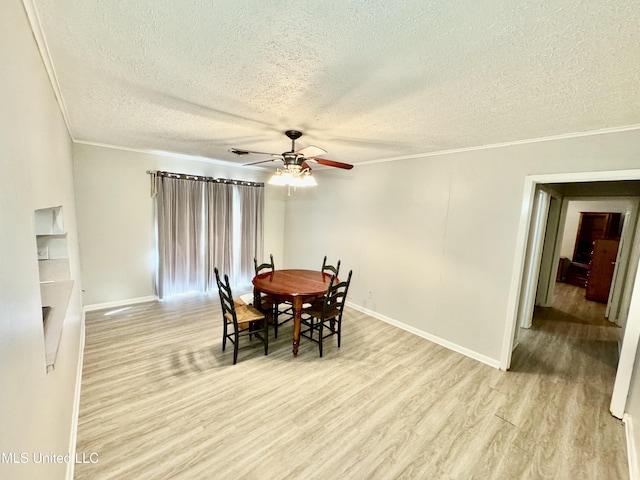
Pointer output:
203, 223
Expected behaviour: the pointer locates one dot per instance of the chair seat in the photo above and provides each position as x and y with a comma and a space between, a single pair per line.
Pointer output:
266, 300
246, 298
315, 306
244, 314
316, 311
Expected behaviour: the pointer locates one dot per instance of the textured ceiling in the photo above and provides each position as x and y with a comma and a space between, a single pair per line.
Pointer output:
364, 79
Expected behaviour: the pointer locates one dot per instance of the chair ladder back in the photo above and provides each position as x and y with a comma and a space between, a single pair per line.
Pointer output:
226, 297
330, 268
263, 266
336, 297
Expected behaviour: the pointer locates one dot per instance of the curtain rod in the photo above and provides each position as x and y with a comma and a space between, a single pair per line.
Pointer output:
201, 178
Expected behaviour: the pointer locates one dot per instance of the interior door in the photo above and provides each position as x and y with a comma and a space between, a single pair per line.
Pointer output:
534, 255
618, 304
550, 251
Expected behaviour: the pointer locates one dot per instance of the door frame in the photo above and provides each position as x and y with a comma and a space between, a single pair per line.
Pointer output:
537, 229
546, 282
626, 252
519, 282
551, 250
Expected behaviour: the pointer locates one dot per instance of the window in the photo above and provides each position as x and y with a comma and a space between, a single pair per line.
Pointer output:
202, 223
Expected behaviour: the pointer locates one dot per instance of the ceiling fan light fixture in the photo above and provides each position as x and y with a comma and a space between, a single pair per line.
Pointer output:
277, 178
308, 180
293, 177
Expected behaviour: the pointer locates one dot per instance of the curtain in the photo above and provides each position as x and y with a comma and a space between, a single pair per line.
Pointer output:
220, 230
251, 207
204, 223
181, 236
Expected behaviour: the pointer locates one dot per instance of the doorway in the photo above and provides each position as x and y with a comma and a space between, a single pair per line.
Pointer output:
527, 265
576, 240
592, 254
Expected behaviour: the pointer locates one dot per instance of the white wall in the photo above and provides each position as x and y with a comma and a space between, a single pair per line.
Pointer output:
573, 218
436, 247
36, 408
633, 416
432, 240
115, 217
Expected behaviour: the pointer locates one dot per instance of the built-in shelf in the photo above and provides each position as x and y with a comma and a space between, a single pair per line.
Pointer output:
51, 247
49, 221
55, 295
56, 284
54, 270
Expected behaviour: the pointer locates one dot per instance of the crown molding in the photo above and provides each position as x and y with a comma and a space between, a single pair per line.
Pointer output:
38, 34
383, 160
550, 138
164, 153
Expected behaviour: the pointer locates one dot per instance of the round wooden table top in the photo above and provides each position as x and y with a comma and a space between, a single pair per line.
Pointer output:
292, 282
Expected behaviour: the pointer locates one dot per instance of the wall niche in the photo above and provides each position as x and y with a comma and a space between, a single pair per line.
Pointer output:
56, 283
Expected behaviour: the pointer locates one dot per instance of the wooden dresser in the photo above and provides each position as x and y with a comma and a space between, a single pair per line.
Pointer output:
595, 253
603, 263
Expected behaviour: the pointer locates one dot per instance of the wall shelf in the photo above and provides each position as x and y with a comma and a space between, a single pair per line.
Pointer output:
56, 284
55, 295
49, 221
54, 270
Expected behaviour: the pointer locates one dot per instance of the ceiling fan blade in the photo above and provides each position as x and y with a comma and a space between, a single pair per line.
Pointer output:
263, 161
305, 165
311, 151
240, 151
331, 163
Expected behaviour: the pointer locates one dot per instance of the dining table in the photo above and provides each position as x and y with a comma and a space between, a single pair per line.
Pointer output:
295, 286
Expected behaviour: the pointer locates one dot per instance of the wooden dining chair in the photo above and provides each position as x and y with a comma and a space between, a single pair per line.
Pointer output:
264, 267
326, 268
266, 302
282, 312
244, 319
326, 315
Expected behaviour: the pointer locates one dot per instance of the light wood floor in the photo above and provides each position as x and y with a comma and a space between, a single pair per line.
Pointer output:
161, 400
569, 305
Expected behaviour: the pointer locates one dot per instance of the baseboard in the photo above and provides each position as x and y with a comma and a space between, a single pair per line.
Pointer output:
76, 401
634, 471
119, 303
432, 338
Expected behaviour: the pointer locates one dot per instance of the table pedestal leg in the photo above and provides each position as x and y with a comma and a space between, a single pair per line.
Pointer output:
297, 309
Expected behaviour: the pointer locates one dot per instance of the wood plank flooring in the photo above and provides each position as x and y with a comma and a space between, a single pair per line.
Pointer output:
161, 400
569, 305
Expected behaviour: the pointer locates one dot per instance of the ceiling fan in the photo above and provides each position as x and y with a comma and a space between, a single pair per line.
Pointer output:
296, 171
